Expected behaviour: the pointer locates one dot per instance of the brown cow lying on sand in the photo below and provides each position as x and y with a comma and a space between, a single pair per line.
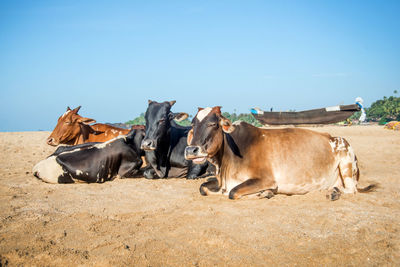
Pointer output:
263, 162
73, 129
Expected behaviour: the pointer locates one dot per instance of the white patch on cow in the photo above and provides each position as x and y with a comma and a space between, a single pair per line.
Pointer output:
333, 145
292, 188
352, 158
103, 145
78, 172
341, 145
203, 113
237, 122
72, 151
114, 131
48, 170
338, 144
230, 184
288, 185
349, 185
68, 111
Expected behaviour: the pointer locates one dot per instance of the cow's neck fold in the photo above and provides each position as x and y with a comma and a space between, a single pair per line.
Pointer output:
218, 159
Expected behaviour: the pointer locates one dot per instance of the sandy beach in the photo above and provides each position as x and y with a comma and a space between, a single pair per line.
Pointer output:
167, 222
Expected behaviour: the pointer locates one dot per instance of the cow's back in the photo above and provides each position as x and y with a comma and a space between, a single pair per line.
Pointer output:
105, 133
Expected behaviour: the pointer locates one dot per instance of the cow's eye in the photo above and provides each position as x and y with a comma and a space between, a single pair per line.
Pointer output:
68, 122
212, 124
161, 121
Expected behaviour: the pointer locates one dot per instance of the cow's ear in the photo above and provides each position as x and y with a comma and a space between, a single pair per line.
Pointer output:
171, 103
75, 110
68, 108
149, 101
86, 130
86, 120
226, 125
217, 109
180, 116
130, 135
190, 137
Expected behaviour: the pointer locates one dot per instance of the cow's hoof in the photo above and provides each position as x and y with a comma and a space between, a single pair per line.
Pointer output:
265, 194
233, 195
202, 191
192, 177
334, 195
148, 174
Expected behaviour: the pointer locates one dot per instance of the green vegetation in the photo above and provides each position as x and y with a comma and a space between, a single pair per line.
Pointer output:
186, 122
141, 121
246, 117
382, 110
385, 109
138, 120
355, 116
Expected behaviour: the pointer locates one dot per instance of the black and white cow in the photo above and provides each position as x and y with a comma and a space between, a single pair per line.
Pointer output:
93, 162
165, 143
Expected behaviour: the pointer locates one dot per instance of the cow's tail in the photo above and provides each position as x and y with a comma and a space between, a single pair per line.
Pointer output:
368, 189
341, 146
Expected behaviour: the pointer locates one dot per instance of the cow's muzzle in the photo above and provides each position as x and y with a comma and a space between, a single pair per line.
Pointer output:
148, 144
195, 154
52, 142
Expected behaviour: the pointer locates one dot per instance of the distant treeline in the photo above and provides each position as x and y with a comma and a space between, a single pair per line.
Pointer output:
247, 117
382, 110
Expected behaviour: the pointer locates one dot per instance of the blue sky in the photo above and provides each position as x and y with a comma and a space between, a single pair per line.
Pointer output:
112, 56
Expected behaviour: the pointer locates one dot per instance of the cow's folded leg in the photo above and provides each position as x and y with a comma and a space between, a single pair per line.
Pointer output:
133, 173
211, 187
252, 186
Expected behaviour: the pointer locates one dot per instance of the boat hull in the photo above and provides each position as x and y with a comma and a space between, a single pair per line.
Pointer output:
313, 116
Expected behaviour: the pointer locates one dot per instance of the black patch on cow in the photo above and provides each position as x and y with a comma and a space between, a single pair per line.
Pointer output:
93, 164
65, 179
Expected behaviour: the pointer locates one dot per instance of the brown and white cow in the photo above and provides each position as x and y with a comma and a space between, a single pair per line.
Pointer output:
73, 129
264, 162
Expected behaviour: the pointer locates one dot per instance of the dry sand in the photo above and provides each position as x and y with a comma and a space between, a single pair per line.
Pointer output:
168, 223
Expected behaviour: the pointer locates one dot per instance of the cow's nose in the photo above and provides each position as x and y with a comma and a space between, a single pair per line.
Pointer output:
148, 144
50, 141
191, 151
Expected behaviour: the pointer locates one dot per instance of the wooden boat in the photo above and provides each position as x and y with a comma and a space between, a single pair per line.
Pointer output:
313, 116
